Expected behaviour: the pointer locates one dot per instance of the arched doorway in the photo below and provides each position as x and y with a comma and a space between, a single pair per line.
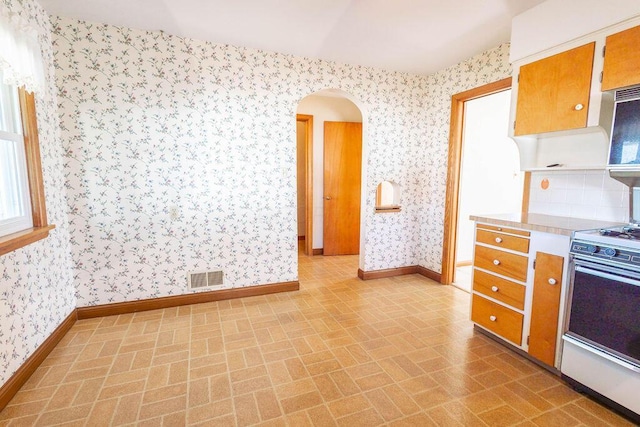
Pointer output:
329, 116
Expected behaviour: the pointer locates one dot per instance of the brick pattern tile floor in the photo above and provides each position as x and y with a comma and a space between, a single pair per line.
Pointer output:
340, 352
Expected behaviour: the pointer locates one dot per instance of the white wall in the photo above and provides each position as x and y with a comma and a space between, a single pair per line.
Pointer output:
554, 22
324, 109
490, 180
589, 194
431, 159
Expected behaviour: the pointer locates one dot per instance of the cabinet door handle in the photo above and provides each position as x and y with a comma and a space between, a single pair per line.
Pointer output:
327, 198
498, 239
494, 288
578, 107
493, 318
552, 281
496, 262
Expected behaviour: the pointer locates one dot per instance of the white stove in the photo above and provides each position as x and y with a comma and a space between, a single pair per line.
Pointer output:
619, 246
601, 351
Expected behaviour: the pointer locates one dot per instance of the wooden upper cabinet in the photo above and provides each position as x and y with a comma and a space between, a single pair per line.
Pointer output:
622, 60
553, 93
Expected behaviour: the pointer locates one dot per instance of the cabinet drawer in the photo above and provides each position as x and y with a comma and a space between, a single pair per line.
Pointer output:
498, 288
496, 318
519, 244
504, 230
505, 263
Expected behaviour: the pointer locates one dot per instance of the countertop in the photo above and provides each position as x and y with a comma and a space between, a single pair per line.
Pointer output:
544, 223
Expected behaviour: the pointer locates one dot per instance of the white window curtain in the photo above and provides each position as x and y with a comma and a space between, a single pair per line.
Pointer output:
20, 54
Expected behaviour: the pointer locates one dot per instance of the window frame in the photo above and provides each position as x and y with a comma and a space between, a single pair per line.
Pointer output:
41, 227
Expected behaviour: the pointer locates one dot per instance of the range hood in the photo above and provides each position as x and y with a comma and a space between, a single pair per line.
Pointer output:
628, 176
581, 148
624, 148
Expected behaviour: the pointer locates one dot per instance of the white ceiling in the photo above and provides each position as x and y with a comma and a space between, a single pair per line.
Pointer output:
417, 36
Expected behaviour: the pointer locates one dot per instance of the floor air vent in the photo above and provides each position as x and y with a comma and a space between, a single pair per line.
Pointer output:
206, 280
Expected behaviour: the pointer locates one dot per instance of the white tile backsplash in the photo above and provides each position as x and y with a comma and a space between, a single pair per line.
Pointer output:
589, 194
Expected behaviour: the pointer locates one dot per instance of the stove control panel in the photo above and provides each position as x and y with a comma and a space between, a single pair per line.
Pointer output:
605, 252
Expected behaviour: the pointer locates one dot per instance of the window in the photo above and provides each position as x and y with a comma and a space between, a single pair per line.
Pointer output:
15, 201
23, 217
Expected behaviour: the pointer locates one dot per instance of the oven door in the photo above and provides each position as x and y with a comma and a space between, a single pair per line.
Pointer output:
605, 311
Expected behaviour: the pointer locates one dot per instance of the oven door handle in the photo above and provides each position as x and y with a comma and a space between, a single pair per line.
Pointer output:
602, 274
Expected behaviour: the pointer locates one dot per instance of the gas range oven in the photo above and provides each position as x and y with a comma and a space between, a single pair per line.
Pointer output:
601, 351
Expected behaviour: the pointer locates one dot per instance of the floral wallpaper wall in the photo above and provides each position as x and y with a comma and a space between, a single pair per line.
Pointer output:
490, 66
180, 156
36, 287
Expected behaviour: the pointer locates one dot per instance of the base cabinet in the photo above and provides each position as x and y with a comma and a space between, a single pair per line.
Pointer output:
518, 288
545, 307
497, 318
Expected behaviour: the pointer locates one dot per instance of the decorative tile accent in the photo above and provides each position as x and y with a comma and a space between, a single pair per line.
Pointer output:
589, 194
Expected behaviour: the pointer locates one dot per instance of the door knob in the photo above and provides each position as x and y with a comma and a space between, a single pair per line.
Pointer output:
578, 107
552, 281
327, 198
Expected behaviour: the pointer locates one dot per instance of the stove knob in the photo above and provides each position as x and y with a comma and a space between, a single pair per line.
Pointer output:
592, 249
610, 252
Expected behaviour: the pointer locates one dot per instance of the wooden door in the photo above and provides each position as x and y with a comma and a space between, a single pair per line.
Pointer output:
547, 283
553, 93
342, 170
622, 60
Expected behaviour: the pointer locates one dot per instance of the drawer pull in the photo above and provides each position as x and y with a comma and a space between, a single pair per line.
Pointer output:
493, 318
499, 229
552, 281
496, 262
578, 107
494, 288
498, 239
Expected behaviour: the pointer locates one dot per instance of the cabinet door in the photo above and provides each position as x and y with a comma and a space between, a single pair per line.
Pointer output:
622, 60
553, 93
547, 283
